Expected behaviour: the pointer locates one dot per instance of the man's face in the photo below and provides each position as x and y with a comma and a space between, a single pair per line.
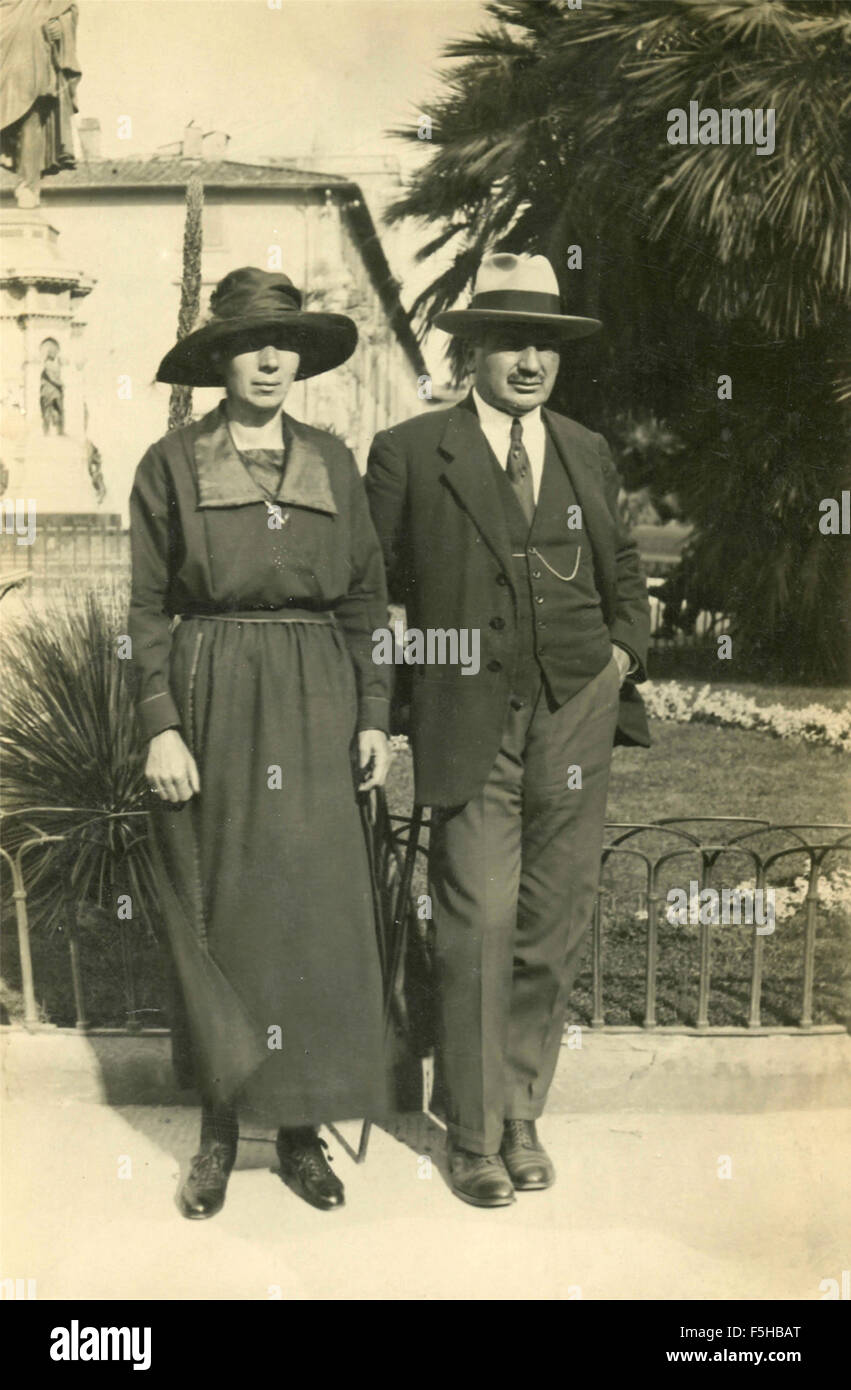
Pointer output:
515, 368
261, 379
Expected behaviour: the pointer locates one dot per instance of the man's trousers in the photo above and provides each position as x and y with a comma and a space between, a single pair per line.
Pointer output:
513, 875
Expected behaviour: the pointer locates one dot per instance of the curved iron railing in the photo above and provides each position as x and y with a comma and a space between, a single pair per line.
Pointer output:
15, 861
706, 853
395, 842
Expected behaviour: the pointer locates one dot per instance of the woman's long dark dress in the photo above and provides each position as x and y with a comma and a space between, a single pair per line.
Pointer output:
264, 882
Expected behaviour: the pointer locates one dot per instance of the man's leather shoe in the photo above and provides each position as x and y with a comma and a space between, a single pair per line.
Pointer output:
304, 1168
203, 1193
480, 1179
529, 1165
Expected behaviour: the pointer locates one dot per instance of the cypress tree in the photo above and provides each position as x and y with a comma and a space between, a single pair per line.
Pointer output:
180, 400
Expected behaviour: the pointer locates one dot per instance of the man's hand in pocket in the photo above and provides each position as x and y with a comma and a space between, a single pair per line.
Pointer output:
624, 661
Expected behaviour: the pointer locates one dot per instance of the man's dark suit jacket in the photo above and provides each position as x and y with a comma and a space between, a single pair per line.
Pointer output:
436, 507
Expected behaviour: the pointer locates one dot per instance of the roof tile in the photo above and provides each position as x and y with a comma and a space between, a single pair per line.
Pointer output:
175, 171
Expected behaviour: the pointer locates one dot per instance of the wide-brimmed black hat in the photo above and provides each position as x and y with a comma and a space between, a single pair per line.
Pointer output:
516, 290
249, 309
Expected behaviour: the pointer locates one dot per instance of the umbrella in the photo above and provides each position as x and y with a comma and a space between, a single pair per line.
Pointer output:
392, 912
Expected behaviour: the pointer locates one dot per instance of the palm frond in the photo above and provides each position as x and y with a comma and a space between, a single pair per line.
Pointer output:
552, 129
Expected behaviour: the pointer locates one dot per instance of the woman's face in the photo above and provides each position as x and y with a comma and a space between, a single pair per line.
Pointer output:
261, 378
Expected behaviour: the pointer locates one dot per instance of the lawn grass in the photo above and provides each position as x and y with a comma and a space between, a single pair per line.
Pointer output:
701, 769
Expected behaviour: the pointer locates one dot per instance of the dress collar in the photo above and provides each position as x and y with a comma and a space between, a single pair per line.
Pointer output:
224, 481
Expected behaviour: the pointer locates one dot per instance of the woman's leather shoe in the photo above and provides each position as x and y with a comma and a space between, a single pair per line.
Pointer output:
528, 1163
304, 1168
480, 1179
203, 1193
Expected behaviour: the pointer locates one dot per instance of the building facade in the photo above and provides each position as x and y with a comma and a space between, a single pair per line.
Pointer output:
121, 222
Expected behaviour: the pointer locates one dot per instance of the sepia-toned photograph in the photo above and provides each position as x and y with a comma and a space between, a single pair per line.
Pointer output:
425, 655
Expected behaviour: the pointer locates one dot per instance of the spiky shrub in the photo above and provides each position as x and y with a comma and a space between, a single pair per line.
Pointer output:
73, 760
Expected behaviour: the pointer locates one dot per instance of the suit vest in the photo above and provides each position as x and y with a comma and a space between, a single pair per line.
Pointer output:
560, 627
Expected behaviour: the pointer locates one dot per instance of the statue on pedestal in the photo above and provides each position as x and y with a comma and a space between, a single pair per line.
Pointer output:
39, 73
44, 443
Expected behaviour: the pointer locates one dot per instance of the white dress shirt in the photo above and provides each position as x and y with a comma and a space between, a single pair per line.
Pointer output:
496, 427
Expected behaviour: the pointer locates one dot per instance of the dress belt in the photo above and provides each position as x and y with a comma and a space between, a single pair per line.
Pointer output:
277, 615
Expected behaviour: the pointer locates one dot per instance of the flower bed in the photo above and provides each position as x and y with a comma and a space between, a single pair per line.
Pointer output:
833, 891
683, 704
670, 700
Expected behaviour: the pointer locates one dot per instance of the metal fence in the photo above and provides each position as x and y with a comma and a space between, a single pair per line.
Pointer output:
29, 834
700, 846
85, 549
660, 853
641, 865
672, 627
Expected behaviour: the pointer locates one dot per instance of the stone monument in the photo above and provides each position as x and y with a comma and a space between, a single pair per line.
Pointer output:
51, 484
43, 442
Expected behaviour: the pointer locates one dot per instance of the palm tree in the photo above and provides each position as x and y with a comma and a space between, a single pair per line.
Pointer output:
702, 260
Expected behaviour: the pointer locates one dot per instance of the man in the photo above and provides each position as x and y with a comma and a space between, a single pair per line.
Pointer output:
500, 516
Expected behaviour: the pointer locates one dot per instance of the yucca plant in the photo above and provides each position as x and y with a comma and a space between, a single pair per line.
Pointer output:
72, 765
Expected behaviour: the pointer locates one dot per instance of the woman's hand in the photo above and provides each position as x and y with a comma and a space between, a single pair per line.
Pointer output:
374, 757
171, 769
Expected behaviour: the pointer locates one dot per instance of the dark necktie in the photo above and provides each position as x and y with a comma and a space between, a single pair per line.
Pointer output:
520, 471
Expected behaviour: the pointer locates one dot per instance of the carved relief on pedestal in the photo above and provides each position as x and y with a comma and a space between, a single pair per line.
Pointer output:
43, 436
51, 394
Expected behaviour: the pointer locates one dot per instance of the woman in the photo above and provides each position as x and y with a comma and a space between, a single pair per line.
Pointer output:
253, 530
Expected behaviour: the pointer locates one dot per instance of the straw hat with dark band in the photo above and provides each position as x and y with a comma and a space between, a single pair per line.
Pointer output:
520, 290
250, 309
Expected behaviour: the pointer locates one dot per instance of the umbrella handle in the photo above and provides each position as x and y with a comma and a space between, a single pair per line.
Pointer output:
400, 914
368, 835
